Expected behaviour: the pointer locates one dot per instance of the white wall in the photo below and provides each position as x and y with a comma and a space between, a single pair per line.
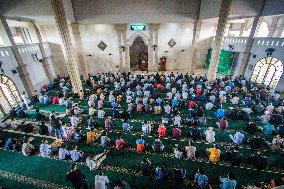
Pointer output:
51, 35
8, 64
182, 34
35, 69
92, 35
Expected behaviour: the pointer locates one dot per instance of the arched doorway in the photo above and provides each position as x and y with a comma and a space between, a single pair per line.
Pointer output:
138, 55
9, 95
267, 71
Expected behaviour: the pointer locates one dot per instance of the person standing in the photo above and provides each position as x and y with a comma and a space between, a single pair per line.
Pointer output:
77, 178
100, 181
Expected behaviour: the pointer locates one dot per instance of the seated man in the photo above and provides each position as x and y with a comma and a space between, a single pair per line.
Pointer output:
55, 100
63, 153
176, 132
157, 146
120, 144
236, 157
9, 144
126, 127
39, 116
256, 142
209, 105
76, 155
162, 130
222, 124
237, 138
178, 153
27, 148
105, 140
190, 151
46, 99
251, 128
26, 127
92, 136
210, 135
268, 129
140, 145
94, 162
146, 128
277, 143
220, 113
215, 153
45, 149
177, 120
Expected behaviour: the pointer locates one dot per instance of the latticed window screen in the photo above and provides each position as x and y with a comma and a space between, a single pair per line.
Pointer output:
267, 71
10, 90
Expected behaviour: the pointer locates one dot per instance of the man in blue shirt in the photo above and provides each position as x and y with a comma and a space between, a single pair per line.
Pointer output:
229, 182
201, 180
268, 129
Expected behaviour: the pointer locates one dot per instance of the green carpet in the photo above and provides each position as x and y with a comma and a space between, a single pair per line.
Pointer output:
125, 165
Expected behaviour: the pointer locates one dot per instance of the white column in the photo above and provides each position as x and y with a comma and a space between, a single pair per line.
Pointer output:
121, 30
61, 23
253, 32
79, 47
217, 45
195, 40
153, 52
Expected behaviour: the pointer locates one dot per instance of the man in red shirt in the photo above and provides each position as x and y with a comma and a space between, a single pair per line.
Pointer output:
120, 144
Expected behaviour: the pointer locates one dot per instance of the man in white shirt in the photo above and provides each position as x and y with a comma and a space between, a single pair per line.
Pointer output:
63, 153
177, 120
45, 149
100, 181
74, 121
208, 106
76, 155
210, 135
101, 114
146, 128
167, 109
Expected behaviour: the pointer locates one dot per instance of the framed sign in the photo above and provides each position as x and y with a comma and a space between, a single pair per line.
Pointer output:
138, 27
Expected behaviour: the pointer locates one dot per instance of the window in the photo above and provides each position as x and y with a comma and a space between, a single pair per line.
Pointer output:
267, 71
9, 95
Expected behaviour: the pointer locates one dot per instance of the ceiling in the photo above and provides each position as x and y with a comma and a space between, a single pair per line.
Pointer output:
129, 11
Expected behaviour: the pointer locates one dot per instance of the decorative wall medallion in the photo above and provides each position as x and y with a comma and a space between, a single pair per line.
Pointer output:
102, 45
172, 43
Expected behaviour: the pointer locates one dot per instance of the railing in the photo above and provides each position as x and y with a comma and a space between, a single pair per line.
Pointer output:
239, 43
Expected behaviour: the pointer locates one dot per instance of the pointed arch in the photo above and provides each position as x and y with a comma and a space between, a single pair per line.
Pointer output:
131, 39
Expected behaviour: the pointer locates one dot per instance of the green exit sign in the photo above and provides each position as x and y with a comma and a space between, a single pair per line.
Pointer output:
138, 27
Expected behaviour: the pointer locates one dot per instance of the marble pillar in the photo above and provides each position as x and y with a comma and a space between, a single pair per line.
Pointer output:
79, 47
253, 32
69, 54
195, 40
8, 40
153, 59
121, 35
218, 42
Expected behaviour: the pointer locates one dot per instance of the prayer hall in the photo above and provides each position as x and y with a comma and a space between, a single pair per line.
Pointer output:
141, 94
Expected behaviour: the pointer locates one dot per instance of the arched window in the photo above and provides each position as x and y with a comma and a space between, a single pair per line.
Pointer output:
267, 71
9, 95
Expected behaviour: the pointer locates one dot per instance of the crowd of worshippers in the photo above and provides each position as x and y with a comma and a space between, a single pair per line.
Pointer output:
144, 94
